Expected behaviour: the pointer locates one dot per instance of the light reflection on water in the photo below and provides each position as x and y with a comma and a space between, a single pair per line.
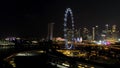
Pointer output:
6, 46
6, 51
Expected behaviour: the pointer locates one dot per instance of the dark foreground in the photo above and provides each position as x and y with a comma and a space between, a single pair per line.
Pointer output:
43, 57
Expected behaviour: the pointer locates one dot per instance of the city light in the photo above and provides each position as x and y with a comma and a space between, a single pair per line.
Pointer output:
68, 10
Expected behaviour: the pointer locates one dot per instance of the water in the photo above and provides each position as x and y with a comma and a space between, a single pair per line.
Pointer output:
6, 51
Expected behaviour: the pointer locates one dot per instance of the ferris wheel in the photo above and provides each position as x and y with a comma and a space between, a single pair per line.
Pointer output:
68, 45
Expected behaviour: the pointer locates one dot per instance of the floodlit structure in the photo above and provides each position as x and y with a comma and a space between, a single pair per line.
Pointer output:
68, 10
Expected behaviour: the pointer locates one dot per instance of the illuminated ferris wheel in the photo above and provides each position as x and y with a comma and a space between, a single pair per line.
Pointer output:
70, 45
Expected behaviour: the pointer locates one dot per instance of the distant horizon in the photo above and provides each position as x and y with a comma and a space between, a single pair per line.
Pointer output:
40, 36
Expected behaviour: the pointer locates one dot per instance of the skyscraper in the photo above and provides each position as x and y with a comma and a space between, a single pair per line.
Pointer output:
114, 28
50, 31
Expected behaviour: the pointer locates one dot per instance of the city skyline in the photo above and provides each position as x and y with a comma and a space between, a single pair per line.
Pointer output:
30, 19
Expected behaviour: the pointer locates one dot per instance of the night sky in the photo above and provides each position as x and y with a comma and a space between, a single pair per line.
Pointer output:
31, 18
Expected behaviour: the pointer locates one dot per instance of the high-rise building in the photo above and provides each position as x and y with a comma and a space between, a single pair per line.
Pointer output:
50, 31
107, 28
114, 28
